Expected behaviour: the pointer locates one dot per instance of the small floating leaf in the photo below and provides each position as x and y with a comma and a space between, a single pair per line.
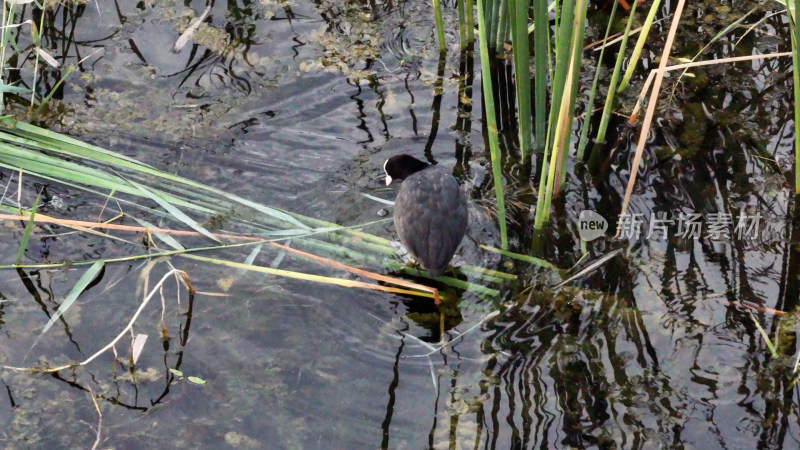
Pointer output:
196, 380
176, 372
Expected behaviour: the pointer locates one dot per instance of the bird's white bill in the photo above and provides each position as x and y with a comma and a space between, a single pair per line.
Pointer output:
388, 178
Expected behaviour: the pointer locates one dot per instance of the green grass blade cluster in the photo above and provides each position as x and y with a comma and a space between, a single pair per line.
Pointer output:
61, 159
637, 49
795, 32
541, 45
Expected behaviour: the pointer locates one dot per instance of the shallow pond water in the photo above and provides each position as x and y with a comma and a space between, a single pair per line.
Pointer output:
297, 104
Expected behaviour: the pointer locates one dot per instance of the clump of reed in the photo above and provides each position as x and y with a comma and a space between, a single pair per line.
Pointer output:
557, 53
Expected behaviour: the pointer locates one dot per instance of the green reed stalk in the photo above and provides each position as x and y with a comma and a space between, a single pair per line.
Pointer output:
637, 50
462, 25
562, 64
502, 26
522, 72
491, 125
564, 116
541, 46
612, 86
560, 131
507, 31
470, 21
577, 57
563, 49
796, 79
437, 16
584, 139
494, 10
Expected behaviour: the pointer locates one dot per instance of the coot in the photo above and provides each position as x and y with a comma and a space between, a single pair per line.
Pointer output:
430, 212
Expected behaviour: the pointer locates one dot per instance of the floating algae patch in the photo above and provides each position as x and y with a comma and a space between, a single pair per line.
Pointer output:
351, 38
362, 42
137, 84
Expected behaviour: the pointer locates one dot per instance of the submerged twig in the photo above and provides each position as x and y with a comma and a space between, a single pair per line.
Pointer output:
99, 429
591, 268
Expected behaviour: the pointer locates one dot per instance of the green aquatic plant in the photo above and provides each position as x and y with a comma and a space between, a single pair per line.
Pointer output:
12, 18
612, 85
519, 28
541, 58
61, 159
437, 14
550, 137
190, 378
564, 87
584, 138
795, 38
491, 124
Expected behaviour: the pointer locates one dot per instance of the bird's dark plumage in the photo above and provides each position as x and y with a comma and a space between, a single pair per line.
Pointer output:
430, 211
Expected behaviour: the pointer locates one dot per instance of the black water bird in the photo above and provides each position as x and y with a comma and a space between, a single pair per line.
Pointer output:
430, 211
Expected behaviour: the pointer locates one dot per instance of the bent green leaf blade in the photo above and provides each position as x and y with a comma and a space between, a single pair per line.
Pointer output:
164, 237
177, 213
84, 281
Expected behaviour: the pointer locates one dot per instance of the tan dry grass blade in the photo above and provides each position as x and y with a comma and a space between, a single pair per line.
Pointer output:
710, 62
347, 283
308, 277
651, 106
363, 273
